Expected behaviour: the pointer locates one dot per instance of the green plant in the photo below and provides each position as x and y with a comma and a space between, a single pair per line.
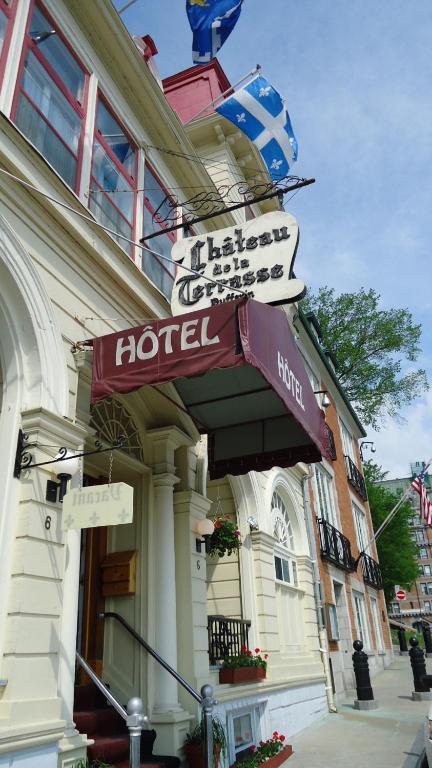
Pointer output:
225, 538
266, 750
197, 736
246, 659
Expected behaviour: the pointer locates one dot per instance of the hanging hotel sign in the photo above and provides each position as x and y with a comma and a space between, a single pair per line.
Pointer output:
97, 505
256, 257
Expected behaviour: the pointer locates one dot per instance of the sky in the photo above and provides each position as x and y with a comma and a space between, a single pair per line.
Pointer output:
356, 76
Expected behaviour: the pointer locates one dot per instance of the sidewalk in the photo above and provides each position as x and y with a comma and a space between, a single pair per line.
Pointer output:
388, 737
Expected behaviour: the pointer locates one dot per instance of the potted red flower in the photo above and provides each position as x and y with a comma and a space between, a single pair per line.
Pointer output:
272, 753
225, 538
246, 667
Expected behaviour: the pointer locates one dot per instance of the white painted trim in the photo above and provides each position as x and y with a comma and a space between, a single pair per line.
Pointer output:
14, 57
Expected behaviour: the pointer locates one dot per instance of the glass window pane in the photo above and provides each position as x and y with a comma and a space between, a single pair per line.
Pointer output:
3, 25
285, 571
242, 731
116, 138
44, 93
294, 570
156, 197
58, 55
40, 134
105, 212
278, 568
427, 570
110, 180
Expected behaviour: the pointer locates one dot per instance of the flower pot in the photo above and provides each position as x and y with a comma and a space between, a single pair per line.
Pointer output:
241, 674
277, 760
194, 754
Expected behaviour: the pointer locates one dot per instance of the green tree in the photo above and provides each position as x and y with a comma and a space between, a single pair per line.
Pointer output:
371, 346
397, 552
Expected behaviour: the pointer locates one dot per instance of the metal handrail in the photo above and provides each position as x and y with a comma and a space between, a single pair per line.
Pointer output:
99, 684
152, 652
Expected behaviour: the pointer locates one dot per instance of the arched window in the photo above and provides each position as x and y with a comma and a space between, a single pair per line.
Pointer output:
285, 564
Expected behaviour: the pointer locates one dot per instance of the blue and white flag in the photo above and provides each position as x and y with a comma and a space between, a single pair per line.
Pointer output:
212, 21
259, 111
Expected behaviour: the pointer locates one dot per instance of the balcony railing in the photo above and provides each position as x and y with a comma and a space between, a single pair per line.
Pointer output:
371, 571
226, 637
331, 445
335, 547
355, 478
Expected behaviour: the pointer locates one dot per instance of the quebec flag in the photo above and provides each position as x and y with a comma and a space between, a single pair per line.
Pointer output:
258, 110
212, 21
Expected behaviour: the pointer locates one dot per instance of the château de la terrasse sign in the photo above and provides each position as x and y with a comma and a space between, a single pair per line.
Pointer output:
256, 257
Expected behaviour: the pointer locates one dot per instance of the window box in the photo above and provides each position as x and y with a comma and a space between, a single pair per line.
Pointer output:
276, 760
235, 675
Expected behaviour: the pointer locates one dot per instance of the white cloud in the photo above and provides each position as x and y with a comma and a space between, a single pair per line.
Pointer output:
398, 444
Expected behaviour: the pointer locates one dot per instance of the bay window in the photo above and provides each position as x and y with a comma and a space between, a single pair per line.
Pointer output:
49, 104
7, 8
113, 176
157, 206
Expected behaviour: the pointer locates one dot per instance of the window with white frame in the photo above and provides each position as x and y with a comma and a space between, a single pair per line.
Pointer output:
314, 381
325, 495
427, 570
347, 442
360, 616
423, 553
361, 527
377, 624
243, 733
427, 605
285, 566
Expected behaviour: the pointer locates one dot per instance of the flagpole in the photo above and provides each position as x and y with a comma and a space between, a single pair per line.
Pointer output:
225, 93
392, 513
125, 7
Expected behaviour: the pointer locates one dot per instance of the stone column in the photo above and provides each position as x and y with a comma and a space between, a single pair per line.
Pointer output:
166, 697
169, 719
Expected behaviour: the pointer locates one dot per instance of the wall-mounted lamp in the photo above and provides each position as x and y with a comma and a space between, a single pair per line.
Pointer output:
253, 523
204, 528
64, 470
325, 401
367, 442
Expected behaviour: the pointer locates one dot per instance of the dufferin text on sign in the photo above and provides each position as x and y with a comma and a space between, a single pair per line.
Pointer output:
255, 259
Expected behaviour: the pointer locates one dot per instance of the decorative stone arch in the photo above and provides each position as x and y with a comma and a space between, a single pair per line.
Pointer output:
33, 372
280, 482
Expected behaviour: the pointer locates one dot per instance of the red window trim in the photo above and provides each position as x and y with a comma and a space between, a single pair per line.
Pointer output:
10, 13
80, 109
172, 236
130, 179
121, 169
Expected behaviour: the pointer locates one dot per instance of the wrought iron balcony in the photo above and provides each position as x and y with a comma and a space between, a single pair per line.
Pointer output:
331, 445
355, 478
371, 571
226, 637
335, 547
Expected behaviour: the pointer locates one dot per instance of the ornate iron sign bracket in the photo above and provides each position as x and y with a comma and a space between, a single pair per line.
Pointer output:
24, 459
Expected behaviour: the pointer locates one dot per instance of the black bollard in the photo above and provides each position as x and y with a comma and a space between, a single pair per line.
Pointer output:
361, 671
427, 638
402, 641
418, 666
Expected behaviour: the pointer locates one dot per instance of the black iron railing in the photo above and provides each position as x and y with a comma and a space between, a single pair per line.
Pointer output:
335, 547
331, 445
355, 478
226, 637
371, 571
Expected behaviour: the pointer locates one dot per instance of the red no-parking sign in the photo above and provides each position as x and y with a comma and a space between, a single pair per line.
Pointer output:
400, 594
